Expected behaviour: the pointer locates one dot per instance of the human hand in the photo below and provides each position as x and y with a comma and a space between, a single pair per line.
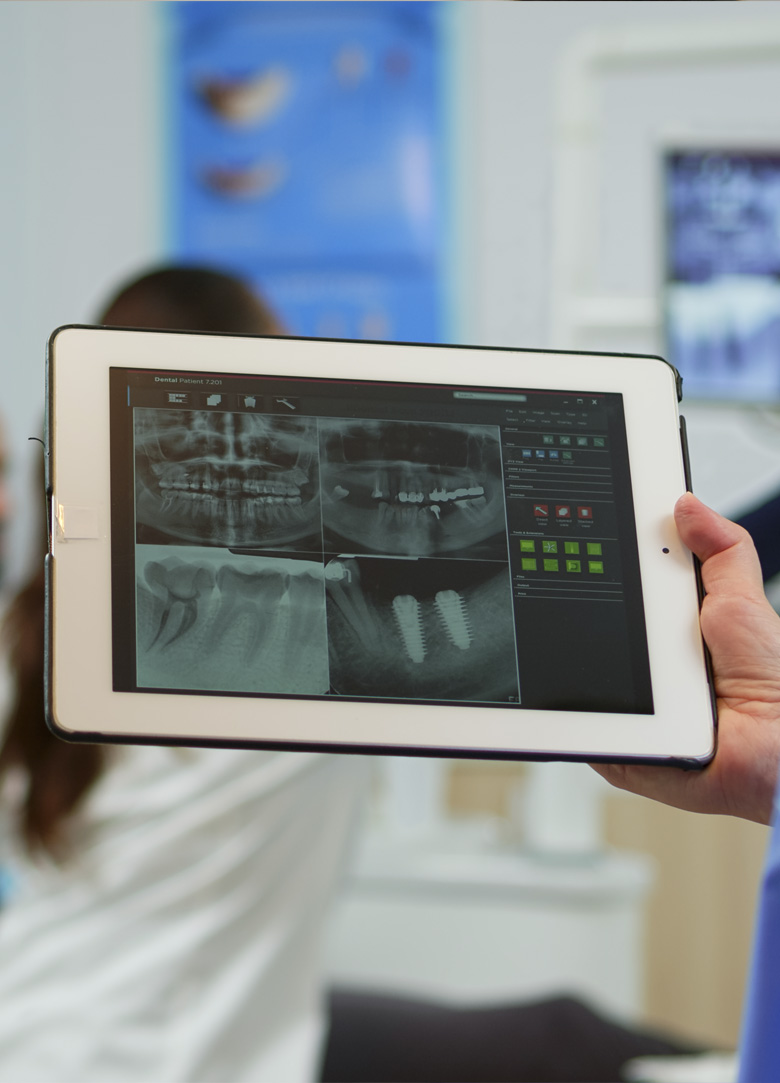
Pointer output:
742, 632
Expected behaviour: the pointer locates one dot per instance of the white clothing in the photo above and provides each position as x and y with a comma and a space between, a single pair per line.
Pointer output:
182, 942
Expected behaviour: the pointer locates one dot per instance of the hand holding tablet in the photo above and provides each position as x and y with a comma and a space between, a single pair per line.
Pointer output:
743, 634
375, 547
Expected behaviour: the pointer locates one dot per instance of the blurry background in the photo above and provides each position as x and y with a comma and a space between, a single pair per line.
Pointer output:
484, 173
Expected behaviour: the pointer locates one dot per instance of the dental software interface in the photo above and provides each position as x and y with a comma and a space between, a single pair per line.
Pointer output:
309, 537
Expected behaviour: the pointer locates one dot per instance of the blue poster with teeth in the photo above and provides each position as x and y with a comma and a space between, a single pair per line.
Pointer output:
306, 148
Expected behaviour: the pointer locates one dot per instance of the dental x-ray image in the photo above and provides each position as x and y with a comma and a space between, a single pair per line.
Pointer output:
723, 266
235, 480
421, 629
210, 620
412, 489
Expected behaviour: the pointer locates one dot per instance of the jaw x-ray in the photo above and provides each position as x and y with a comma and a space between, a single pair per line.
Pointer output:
237, 480
428, 629
412, 489
212, 620
222, 496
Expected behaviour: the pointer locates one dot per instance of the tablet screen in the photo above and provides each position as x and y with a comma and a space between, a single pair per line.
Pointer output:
375, 541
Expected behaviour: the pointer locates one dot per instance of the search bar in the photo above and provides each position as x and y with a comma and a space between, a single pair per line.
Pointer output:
489, 396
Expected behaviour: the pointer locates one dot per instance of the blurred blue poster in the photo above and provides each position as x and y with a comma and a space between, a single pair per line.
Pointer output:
306, 154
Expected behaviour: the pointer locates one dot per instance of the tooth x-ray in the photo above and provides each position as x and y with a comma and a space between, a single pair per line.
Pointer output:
722, 294
228, 479
215, 614
427, 629
412, 489
209, 619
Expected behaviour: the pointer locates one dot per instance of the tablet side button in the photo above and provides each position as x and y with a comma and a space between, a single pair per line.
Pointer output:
695, 764
685, 456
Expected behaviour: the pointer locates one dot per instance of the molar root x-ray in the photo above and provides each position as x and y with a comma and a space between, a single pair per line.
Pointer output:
412, 488
212, 621
226, 479
427, 629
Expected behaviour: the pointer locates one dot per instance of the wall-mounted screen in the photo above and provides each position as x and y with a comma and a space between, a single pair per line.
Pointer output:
722, 270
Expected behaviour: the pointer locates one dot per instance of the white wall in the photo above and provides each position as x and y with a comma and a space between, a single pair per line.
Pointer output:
79, 188
83, 161
519, 49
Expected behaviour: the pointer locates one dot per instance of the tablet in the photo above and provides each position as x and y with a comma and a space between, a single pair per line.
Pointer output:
350, 546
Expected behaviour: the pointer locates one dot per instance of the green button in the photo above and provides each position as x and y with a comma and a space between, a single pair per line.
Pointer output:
594, 549
527, 545
548, 439
550, 565
573, 566
565, 441
596, 567
599, 441
528, 564
582, 441
567, 455
549, 546
571, 547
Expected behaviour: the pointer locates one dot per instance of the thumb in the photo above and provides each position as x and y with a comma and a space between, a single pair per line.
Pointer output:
739, 625
730, 564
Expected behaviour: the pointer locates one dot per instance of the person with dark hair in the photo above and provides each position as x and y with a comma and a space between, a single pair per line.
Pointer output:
170, 904
191, 299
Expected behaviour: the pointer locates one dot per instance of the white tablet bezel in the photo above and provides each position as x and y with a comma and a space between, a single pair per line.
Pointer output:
81, 702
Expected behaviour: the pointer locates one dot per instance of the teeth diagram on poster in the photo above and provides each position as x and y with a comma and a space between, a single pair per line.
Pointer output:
227, 479
422, 629
211, 620
412, 488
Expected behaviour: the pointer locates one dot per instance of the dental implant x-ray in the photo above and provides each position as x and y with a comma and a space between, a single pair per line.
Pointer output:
422, 629
237, 480
412, 488
212, 620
